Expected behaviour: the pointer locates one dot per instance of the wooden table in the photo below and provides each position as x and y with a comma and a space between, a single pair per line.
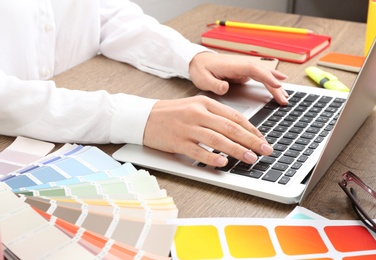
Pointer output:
196, 199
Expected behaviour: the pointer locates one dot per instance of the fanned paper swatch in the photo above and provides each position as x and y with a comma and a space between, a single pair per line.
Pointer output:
80, 202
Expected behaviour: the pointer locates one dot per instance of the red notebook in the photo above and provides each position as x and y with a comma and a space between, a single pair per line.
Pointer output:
292, 47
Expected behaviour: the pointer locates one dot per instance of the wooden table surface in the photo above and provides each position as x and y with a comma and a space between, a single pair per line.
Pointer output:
195, 199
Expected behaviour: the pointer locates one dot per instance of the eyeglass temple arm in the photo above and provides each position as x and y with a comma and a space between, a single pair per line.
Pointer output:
350, 176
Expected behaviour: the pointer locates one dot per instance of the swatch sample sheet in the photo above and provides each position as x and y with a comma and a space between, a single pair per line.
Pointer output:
22, 152
302, 235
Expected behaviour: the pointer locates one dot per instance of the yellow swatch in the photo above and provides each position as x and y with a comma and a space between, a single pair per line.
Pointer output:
198, 242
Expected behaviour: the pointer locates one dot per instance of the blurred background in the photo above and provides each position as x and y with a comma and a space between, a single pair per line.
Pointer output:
352, 10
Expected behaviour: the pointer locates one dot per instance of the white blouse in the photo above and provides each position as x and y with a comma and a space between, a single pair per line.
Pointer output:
42, 38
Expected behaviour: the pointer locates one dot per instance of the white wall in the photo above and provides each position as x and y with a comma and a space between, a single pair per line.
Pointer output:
164, 10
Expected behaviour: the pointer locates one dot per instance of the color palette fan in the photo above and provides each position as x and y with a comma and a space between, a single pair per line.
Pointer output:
80, 202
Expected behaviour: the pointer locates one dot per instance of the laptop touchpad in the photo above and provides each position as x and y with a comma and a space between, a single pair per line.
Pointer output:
247, 98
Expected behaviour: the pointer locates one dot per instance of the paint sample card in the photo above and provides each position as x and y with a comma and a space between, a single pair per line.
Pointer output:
21, 152
303, 213
29, 236
253, 238
101, 246
82, 162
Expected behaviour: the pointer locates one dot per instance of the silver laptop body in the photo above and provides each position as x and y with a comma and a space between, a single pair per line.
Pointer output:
251, 98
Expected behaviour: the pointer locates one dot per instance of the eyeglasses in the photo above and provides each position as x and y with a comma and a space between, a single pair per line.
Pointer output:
363, 197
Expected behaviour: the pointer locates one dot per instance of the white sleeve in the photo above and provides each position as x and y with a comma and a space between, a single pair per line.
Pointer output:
38, 109
130, 36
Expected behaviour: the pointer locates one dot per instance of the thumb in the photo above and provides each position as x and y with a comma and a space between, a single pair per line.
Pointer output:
219, 87
211, 83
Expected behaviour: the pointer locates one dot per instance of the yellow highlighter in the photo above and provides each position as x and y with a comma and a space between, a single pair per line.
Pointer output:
326, 79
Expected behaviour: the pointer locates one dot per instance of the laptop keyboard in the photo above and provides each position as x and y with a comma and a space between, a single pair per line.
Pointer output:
294, 131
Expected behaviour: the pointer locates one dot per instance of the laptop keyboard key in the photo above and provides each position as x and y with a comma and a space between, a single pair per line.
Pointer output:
290, 173
260, 116
280, 128
251, 173
290, 135
272, 175
243, 166
308, 135
261, 166
272, 104
296, 165
269, 123
285, 123
296, 130
302, 158
286, 160
300, 95
280, 147
297, 147
280, 167
275, 154
285, 141
322, 119
275, 118
311, 98
313, 145
267, 160
275, 134
325, 99
319, 139
306, 119
292, 153
313, 130
308, 152
271, 140
335, 104
284, 180
303, 141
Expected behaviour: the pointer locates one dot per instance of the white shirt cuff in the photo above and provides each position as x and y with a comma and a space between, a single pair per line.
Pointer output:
129, 118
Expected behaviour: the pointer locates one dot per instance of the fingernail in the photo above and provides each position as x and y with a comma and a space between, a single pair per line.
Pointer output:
250, 157
266, 149
222, 161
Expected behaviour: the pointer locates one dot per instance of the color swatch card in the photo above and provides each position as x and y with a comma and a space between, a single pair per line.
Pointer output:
106, 209
101, 246
23, 151
28, 235
254, 238
302, 213
85, 161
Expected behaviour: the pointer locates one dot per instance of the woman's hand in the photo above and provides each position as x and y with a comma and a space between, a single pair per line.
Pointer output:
179, 126
213, 72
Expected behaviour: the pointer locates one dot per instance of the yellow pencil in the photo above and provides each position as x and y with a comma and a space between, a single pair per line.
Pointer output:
263, 27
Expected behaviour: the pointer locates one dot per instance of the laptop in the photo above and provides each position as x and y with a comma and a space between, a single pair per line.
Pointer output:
307, 137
